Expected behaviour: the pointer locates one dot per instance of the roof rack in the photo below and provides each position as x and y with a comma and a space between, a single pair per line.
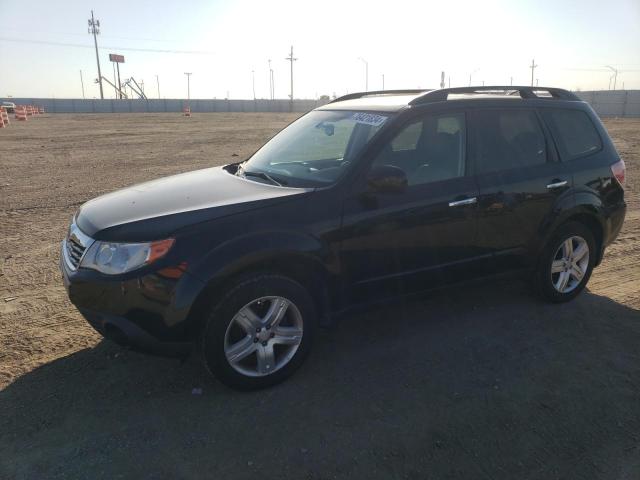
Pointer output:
352, 96
524, 92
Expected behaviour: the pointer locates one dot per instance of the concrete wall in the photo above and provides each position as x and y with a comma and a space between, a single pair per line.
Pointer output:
607, 103
613, 103
72, 105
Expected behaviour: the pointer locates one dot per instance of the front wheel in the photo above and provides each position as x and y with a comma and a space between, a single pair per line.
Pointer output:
566, 263
260, 332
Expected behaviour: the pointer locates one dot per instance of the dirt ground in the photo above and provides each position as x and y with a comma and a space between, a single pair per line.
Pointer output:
485, 383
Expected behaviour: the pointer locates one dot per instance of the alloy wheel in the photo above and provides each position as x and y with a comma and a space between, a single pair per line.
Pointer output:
263, 336
570, 264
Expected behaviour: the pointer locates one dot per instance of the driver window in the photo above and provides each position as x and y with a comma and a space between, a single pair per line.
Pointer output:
429, 149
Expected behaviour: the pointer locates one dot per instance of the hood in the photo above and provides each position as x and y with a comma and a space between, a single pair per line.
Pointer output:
155, 209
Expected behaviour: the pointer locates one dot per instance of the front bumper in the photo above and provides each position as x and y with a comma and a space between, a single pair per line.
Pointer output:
149, 312
128, 334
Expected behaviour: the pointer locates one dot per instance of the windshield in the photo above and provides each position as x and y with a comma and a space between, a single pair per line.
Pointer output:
314, 150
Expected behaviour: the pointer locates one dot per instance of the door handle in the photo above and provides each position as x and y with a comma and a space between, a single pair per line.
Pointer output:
557, 184
464, 201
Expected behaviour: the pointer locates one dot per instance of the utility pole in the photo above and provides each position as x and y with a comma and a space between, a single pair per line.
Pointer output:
291, 59
383, 81
188, 74
158, 84
442, 80
82, 83
615, 76
511, 81
533, 68
366, 74
94, 28
537, 81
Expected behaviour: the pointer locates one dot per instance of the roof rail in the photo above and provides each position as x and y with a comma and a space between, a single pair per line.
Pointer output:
525, 92
352, 96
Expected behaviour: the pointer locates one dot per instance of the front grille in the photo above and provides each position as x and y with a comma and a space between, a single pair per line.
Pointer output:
74, 251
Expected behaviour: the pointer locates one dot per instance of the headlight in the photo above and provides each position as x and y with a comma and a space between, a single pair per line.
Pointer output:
113, 258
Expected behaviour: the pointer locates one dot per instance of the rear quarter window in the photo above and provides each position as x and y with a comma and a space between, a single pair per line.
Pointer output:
574, 131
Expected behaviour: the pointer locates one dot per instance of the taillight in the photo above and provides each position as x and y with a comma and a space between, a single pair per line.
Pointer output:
618, 170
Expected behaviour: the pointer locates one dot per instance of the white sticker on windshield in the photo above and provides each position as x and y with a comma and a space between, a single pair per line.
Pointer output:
369, 118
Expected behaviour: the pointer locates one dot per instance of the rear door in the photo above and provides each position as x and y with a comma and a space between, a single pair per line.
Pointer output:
519, 178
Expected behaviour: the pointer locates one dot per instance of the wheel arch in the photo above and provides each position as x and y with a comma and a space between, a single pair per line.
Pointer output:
308, 266
589, 215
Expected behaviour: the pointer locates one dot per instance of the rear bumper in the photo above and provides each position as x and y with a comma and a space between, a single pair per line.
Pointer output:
612, 227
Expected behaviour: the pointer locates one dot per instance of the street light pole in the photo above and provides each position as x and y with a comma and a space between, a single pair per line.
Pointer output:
158, 84
82, 83
270, 81
471, 75
615, 76
188, 74
253, 83
366, 74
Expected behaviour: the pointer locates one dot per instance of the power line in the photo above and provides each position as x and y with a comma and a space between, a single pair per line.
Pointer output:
130, 49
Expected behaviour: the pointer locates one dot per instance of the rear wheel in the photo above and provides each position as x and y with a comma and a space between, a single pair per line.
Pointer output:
566, 263
260, 332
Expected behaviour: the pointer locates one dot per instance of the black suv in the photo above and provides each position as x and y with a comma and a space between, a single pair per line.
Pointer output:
370, 197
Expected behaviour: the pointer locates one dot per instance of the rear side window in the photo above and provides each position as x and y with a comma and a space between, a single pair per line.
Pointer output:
506, 139
574, 131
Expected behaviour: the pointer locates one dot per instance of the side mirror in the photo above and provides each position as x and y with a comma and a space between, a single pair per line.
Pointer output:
387, 179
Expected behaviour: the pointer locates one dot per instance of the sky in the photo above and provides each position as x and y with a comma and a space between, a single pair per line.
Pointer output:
226, 45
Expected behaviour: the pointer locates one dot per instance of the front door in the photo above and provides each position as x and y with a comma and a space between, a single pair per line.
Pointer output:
397, 243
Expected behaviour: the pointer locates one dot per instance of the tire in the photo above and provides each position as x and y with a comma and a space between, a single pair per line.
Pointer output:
550, 284
247, 325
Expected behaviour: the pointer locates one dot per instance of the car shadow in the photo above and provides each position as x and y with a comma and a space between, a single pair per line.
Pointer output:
480, 382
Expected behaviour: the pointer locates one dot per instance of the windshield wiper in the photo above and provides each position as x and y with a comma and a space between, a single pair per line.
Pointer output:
264, 176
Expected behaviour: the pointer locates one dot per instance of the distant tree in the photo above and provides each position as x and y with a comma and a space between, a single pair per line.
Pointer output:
324, 98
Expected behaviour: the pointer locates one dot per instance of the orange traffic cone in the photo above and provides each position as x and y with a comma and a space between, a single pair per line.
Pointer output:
186, 111
2, 113
21, 113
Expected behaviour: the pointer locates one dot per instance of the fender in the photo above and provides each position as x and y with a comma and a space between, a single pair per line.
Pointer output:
286, 252
281, 250
577, 204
